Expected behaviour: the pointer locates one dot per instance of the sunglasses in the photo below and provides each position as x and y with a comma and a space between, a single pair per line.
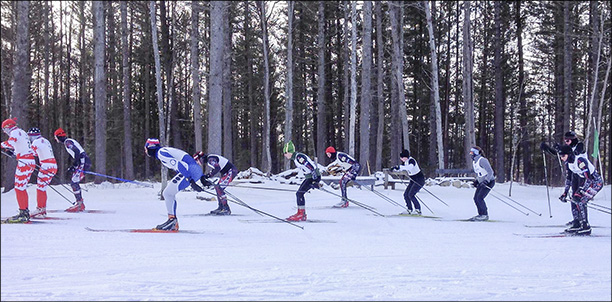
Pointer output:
568, 140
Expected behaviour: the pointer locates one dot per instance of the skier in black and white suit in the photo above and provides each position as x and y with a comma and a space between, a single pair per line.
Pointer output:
569, 139
485, 180
417, 181
582, 174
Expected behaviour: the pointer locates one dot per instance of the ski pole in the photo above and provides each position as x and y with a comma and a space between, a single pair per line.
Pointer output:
261, 188
526, 214
422, 187
120, 179
386, 198
546, 181
43, 172
600, 206
539, 214
242, 203
604, 210
354, 202
432, 212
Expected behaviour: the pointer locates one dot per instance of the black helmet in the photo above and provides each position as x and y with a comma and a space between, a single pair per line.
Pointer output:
405, 153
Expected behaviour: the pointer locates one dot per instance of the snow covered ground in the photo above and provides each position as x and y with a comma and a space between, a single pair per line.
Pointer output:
352, 255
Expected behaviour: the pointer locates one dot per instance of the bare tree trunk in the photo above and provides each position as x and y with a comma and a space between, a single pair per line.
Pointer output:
21, 82
380, 75
100, 88
592, 101
402, 133
289, 80
500, 165
127, 96
346, 74
468, 85
321, 109
266, 159
227, 83
366, 84
524, 145
160, 96
567, 63
216, 76
435, 85
353, 104
195, 74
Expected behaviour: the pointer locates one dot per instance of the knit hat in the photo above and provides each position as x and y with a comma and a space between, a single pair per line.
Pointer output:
565, 149
405, 153
9, 123
59, 132
289, 147
330, 149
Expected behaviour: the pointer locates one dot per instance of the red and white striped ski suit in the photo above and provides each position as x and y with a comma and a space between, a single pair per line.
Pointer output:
20, 144
48, 168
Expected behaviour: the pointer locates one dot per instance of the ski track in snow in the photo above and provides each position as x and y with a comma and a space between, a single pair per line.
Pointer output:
360, 257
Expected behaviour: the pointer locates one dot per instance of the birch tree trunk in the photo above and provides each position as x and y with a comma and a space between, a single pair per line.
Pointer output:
216, 76
266, 159
592, 101
227, 83
434, 85
195, 74
99, 88
127, 95
21, 82
160, 96
366, 83
380, 75
353, 103
468, 85
289, 80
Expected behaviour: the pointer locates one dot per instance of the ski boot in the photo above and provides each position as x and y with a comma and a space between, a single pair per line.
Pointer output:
170, 225
417, 212
585, 230
78, 207
39, 213
407, 212
222, 210
299, 216
479, 218
22, 217
575, 227
342, 204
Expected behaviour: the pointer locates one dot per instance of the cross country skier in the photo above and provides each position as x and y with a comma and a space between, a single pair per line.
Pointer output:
417, 181
569, 139
485, 180
188, 172
347, 164
18, 145
312, 174
585, 182
226, 169
80, 164
48, 168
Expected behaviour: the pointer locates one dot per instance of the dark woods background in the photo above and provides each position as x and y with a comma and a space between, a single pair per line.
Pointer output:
223, 80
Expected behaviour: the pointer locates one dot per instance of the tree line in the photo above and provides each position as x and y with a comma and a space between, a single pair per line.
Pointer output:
240, 78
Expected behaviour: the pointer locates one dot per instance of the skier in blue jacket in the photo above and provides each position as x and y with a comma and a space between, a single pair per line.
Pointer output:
188, 173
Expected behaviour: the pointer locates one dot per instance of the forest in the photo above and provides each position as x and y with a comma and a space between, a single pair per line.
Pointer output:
371, 78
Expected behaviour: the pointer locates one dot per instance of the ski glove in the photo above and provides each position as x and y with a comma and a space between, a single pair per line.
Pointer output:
563, 197
206, 182
71, 170
475, 183
195, 186
315, 184
395, 168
